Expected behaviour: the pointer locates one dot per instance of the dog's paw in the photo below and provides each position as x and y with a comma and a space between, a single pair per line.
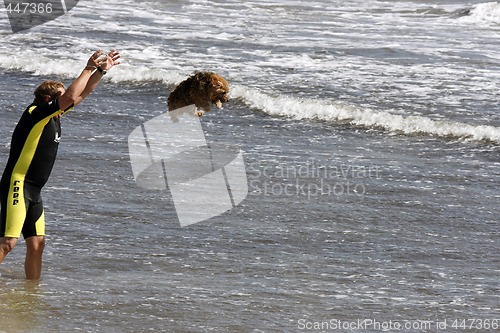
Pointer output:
199, 113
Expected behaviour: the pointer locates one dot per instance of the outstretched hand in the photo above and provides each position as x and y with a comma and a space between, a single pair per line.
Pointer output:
95, 59
111, 60
105, 61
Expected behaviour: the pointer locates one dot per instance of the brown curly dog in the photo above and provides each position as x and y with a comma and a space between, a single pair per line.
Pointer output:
201, 89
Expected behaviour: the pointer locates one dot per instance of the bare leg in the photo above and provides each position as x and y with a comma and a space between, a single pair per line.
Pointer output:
6, 245
33, 262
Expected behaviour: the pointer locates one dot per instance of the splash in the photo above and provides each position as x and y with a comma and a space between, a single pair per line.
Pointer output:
484, 13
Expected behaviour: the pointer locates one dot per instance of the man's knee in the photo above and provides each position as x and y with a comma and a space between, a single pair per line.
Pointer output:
35, 245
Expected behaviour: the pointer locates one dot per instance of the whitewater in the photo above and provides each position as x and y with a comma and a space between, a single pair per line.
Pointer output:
444, 83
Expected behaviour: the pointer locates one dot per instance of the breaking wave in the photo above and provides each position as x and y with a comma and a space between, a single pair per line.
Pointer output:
484, 13
340, 112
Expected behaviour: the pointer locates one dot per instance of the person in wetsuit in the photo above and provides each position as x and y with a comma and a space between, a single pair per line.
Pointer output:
32, 155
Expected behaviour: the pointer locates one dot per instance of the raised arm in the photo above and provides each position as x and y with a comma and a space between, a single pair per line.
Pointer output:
110, 61
88, 79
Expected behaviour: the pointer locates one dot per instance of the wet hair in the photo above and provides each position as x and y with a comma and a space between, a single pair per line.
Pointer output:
47, 88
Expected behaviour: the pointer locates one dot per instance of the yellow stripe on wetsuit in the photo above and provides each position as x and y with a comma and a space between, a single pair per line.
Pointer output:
16, 212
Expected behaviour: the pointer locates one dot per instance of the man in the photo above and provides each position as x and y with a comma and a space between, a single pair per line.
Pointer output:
32, 155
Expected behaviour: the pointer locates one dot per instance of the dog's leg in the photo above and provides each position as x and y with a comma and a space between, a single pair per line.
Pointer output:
199, 113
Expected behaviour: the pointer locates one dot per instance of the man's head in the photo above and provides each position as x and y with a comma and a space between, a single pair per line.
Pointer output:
48, 91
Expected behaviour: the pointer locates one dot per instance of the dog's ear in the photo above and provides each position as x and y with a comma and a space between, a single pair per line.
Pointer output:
222, 84
219, 83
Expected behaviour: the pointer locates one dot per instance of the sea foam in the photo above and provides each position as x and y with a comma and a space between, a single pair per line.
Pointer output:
484, 13
288, 106
339, 112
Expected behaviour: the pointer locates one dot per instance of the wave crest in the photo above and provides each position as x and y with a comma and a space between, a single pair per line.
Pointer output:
287, 106
340, 112
488, 12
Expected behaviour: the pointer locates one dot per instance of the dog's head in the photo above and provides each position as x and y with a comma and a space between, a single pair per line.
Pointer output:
201, 89
218, 90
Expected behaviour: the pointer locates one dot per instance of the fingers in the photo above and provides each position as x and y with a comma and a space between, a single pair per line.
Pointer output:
97, 54
114, 55
104, 60
97, 59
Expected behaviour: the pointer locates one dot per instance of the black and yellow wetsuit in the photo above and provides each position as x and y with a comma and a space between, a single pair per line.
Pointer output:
32, 155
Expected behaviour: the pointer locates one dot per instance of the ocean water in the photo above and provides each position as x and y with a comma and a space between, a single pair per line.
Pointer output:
370, 132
